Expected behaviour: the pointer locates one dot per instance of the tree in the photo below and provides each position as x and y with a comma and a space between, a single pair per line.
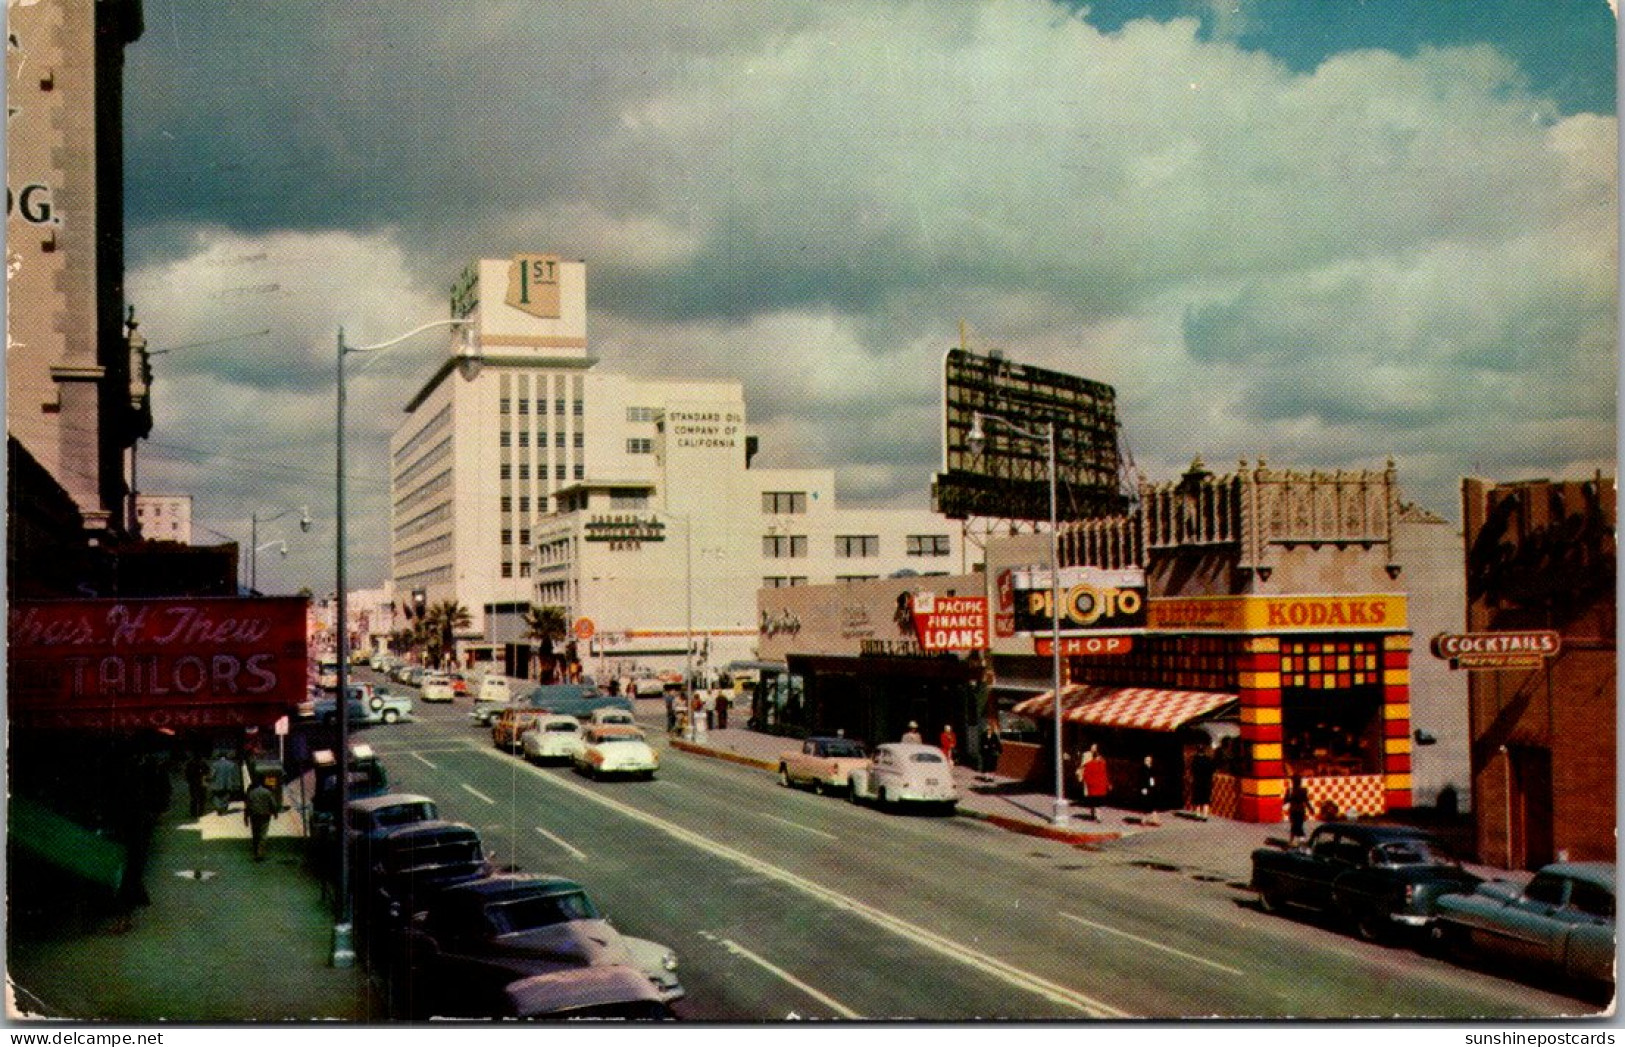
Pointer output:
440, 624
545, 625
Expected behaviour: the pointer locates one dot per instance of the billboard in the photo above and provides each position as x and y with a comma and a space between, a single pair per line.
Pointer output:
1008, 478
950, 623
158, 663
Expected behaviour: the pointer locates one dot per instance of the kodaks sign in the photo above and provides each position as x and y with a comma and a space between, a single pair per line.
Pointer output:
163, 663
950, 623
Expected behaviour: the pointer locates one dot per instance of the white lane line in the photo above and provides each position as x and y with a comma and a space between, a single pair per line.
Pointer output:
419, 758
834, 1005
580, 854
928, 939
798, 825
1154, 945
477, 793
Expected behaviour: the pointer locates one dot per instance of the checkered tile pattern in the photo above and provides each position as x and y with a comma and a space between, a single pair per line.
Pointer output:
1362, 792
1141, 708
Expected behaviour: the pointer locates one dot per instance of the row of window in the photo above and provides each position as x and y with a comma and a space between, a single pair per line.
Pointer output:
505, 439
778, 502
430, 430
643, 414
560, 472
524, 569
780, 582
505, 406
852, 546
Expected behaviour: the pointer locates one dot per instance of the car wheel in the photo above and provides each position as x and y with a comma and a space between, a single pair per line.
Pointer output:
391, 716
852, 793
1373, 925
1270, 898
784, 776
376, 704
818, 786
880, 798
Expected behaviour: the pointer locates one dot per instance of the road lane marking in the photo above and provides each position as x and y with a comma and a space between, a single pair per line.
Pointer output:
834, 1005
420, 759
580, 854
1151, 944
798, 825
477, 793
921, 936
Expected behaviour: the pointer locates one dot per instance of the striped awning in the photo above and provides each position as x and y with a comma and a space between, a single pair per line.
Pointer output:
1141, 708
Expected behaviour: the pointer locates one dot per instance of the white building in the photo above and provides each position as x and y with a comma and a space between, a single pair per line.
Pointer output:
628, 502
164, 517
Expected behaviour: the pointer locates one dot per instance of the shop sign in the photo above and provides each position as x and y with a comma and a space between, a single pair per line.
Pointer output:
1070, 645
1508, 650
950, 623
584, 629
160, 663
1093, 600
624, 531
1368, 612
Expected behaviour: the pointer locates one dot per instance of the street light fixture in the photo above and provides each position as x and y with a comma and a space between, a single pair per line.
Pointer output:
975, 440
254, 521
468, 362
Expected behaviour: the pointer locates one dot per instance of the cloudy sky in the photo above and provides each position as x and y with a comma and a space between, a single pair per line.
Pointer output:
1321, 232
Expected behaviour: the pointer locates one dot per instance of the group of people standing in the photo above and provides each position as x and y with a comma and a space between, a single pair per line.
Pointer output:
1149, 795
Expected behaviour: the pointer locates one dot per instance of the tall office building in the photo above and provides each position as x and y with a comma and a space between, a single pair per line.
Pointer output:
535, 478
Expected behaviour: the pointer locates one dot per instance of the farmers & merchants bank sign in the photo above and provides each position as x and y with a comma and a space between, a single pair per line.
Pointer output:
175, 663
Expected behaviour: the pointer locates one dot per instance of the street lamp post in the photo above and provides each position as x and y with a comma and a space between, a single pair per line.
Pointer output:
1047, 434
343, 928
254, 521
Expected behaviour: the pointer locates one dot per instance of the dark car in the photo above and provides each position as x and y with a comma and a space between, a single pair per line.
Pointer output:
326, 710
587, 993
475, 938
1561, 923
1379, 878
399, 870
367, 777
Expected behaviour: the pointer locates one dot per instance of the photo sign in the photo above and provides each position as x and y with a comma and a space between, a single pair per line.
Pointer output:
157, 663
1094, 600
950, 623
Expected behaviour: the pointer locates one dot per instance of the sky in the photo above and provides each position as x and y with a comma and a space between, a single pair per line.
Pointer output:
1324, 233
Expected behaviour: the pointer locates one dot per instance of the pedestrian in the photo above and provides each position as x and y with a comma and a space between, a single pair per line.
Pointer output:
197, 783
259, 807
722, 710
1096, 782
225, 779
1297, 807
1202, 781
671, 710
1148, 791
912, 735
947, 741
992, 744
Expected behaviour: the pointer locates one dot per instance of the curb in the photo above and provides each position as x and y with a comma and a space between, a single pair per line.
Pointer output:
1014, 825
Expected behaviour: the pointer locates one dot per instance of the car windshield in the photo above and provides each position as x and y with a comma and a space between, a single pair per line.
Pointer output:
560, 727
539, 910
842, 748
1413, 852
404, 814
925, 758
454, 851
620, 739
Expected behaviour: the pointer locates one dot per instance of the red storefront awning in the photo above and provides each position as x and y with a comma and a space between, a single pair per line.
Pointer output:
1140, 708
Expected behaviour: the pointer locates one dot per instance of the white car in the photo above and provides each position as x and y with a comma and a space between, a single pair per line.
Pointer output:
493, 688
611, 715
437, 688
902, 772
553, 738
614, 749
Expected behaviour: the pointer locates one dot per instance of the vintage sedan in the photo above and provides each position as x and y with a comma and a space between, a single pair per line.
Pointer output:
615, 749
585, 994
1377, 878
552, 738
502, 928
399, 871
1562, 922
372, 816
824, 763
437, 687
384, 705
508, 725
610, 714
903, 772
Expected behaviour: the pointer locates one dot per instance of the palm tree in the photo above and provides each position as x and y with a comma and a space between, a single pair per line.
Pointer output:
545, 625
440, 624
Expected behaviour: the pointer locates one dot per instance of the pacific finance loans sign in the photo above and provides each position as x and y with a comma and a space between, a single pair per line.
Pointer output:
163, 663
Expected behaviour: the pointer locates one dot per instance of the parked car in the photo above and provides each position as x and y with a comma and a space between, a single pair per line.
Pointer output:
503, 928
552, 737
437, 688
903, 772
585, 994
384, 705
822, 762
1378, 878
400, 871
612, 714
1562, 922
370, 817
494, 688
326, 710
411, 675
510, 723
367, 777
615, 750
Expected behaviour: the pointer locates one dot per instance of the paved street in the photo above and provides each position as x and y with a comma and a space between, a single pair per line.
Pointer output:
783, 903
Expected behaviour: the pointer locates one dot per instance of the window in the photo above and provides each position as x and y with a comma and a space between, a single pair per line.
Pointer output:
629, 501
849, 545
558, 471
784, 501
524, 536
524, 438
524, 407
524, 569
641, 414
558, 439
507, 570
502, 405
524, 470
504, 438
524, 504
541, 407
505, 471
506, 504
928, 545
578, 407
779, 546
558, 406
640, 445
579, 472
781, 582
507, 536
846, 578
580, 440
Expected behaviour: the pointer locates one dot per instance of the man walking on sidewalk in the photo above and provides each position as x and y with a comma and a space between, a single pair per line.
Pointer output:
259, 807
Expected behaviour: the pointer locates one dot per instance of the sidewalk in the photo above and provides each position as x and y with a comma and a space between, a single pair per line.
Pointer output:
1219, 847
225, 939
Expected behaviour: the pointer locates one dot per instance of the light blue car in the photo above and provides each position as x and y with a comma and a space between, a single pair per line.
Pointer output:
1562, 922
